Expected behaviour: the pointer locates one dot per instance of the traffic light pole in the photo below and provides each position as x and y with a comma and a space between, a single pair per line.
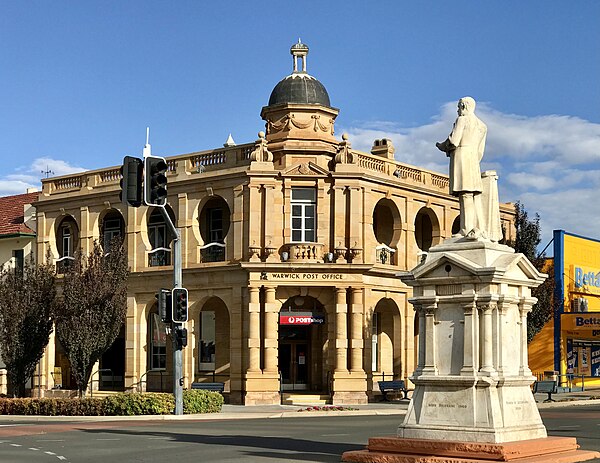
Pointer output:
177, 283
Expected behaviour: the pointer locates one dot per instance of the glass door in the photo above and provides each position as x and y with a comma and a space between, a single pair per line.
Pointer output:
293, 365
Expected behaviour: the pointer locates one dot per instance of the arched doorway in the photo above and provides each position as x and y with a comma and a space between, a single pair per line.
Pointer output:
112, 364
212, 332
302, 340
386, 342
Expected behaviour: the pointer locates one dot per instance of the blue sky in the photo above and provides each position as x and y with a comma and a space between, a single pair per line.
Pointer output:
81, 80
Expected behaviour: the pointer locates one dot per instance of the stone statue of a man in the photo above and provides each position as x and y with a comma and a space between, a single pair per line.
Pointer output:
464, 146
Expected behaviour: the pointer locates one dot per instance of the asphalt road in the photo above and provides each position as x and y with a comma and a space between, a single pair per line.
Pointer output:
303, 439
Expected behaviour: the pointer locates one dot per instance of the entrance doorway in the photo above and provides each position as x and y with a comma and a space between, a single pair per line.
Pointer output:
112, 365
302, 348
293, 364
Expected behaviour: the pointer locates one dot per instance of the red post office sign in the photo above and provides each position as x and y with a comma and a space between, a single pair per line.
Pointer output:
300, 319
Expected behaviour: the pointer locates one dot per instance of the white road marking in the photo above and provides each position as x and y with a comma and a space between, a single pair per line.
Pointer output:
60, 457
16, 445
50, 453
33, 448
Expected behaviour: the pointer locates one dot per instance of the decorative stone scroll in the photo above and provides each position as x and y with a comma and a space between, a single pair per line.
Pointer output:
285, 123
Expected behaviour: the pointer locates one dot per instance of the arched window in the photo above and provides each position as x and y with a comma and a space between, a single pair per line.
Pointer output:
387, 227
160, 240
112, 226
158, 342
214, 221
67, 242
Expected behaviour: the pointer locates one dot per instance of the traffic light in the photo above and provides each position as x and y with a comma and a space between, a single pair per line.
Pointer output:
131, 181
180, 334
164, 305
155, 181
180, 305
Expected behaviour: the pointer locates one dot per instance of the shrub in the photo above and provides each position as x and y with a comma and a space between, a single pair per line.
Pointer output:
132, 403
51, 407
200, 401
127, 404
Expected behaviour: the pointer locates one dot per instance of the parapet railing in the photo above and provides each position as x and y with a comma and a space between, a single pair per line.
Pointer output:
204, 162
193, 163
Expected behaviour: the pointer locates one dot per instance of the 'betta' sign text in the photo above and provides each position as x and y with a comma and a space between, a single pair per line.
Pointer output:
583, 321
587, 278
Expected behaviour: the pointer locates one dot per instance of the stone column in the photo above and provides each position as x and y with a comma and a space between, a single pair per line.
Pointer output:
47, 362
430, 367
184, 223
524, 309
85, 232
341, 331
487, 354
133, 371
356, 329
339, 229
253, 340
501, 318
254, 218
268, 223
237, 224
420, 312
136, 251
470, 330
271, 326
356, 222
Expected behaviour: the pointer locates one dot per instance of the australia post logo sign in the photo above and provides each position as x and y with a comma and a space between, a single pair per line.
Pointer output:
300, 319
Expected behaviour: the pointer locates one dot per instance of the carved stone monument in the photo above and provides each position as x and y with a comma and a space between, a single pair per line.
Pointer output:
472, 400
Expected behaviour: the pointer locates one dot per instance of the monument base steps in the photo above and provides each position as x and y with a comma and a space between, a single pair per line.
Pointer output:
399, 450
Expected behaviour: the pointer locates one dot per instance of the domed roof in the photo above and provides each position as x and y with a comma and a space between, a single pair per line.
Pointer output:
299, 87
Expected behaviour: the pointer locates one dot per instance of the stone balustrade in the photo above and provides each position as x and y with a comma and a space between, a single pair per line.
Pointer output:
305, 252
224, 158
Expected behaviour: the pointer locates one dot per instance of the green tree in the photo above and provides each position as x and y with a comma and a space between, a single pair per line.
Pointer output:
527, 239
27, 303
93, 307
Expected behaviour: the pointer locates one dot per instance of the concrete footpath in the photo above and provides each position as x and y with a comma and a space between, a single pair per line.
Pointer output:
238, 412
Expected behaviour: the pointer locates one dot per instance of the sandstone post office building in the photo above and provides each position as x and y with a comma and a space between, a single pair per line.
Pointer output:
291, 245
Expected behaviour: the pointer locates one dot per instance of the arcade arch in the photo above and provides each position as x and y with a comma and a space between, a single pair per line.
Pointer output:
427, 229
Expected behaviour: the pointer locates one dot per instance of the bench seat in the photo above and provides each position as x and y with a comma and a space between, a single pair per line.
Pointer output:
393, 387
215, 387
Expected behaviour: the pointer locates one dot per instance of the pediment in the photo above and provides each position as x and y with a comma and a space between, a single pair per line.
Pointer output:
519, 267
454, 265
445, 265
305, 169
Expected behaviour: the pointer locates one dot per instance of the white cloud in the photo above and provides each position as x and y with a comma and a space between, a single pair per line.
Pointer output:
551, 163
29, 176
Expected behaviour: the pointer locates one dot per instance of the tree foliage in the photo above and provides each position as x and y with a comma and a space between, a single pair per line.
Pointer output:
527, 238
93, 307
27, 303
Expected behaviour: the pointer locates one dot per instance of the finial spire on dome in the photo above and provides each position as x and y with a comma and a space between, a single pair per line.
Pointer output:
299, 50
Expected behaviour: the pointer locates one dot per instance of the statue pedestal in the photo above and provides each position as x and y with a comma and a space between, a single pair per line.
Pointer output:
398, 450
472, 382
